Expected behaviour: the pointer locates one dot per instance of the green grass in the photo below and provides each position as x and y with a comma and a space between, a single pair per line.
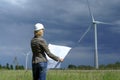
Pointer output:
63, 75
15, 75
84, 75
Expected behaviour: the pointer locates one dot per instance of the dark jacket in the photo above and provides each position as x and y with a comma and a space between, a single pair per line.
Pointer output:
40, 49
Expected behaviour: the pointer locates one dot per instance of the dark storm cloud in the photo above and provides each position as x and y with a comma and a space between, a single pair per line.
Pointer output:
65, 21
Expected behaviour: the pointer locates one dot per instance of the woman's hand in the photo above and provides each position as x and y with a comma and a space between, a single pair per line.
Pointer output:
61, 59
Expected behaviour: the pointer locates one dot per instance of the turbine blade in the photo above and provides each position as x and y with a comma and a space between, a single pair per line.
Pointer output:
91, 14
84, 34
99, 22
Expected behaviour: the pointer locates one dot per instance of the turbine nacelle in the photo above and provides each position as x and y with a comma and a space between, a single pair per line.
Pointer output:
97, 22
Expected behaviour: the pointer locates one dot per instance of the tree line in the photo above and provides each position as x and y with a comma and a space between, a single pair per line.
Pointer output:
115, 65
12, 67
15, 65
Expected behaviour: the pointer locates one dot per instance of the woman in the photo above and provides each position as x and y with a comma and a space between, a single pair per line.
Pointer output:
40, 49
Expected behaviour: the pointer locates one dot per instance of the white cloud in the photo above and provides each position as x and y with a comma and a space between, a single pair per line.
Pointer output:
19, 3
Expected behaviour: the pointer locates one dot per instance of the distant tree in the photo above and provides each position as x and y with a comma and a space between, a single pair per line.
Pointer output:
11, 67
110, 66
117, 63
0, 66
102, 66
85, 67
21, 67
7, 66
72, 66
16, 67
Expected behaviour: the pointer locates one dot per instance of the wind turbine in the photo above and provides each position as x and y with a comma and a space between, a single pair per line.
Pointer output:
94, 22
15, 61
26, 60
95, 35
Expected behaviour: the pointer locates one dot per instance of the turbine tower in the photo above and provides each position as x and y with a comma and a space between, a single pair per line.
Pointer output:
95, 35
26, 60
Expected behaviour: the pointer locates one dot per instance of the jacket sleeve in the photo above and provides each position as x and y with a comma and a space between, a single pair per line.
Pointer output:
47, 51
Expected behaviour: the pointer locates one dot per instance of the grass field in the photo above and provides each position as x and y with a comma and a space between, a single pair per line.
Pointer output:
63, 75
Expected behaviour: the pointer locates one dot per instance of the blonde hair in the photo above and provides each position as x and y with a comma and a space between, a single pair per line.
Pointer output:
38, 33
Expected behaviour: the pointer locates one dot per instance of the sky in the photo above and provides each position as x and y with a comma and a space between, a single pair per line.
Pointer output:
65, 22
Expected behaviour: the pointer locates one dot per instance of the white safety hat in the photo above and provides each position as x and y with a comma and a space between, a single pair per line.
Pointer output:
39, 26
